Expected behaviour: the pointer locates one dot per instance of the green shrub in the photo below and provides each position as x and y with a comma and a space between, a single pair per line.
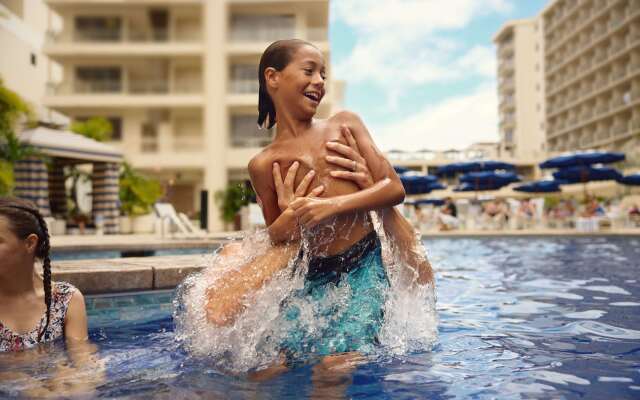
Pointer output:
137, 193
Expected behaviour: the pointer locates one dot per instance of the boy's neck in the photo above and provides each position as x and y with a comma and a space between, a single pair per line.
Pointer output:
289, 126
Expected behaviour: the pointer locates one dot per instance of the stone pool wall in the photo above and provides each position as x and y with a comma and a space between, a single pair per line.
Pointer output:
127, 274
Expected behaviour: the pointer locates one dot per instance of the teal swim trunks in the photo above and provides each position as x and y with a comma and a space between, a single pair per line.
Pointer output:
341, 306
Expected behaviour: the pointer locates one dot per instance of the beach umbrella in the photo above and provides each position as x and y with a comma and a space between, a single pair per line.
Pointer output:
583, 159
420, 184
631, 180
489, 177
473, 166
32, 183
546, 186
585, 174
480, 187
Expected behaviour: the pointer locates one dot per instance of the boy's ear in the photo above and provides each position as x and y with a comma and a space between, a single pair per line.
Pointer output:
271, 77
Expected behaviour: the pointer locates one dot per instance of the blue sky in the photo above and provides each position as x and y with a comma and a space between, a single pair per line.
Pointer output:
421, 73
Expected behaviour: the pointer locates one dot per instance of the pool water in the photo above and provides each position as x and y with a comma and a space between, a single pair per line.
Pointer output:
519, 318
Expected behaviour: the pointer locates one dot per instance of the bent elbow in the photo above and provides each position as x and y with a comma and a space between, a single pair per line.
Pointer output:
399, 192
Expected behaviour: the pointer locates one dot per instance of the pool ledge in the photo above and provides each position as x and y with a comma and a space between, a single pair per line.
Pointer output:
127, 274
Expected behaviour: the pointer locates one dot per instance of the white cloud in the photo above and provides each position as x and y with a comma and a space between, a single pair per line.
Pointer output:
405, 45
400, 44
454, 123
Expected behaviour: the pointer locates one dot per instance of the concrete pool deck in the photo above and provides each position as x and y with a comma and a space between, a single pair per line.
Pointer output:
76, 243
128, 274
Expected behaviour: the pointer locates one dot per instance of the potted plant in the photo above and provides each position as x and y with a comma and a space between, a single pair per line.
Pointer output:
137, 195
231, 200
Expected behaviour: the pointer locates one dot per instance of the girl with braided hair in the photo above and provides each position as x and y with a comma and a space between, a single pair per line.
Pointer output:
33, 309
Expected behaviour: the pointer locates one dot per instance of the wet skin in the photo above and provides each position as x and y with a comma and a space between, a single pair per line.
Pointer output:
338, 233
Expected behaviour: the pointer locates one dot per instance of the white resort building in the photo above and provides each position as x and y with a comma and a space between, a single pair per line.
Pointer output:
178, 81
521, 90
587, 66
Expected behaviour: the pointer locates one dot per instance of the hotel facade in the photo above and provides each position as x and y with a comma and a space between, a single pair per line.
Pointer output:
521, 90
178, 81
592, 74
589, 76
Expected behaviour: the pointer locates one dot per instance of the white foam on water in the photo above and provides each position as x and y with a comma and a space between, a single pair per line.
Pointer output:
252, 340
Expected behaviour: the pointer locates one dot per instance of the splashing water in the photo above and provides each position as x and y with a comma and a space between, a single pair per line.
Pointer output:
252, 340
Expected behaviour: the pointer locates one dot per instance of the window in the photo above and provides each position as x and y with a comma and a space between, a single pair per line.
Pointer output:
244, 78
245, 132
149, 142
262, 27
116, 123
97, 29
98, 79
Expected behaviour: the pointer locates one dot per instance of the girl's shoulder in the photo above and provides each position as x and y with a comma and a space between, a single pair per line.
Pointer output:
62, 292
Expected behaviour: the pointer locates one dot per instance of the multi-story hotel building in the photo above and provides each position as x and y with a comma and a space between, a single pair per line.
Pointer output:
521, 90
178, 80
24, 69
592, 75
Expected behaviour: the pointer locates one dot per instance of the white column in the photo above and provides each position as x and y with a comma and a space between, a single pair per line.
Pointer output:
215, 112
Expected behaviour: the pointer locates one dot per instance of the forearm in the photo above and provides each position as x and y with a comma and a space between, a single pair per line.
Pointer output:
403, 236
225, 298
383, 194
285, 228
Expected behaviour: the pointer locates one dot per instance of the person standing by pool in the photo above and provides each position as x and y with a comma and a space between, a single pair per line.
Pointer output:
33, 309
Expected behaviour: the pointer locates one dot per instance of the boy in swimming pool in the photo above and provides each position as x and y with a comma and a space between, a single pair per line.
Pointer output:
291, 79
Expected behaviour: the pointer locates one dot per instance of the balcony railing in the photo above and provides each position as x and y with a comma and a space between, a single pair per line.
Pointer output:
134, 35
261, 35
243, 86
118, 87
188, 143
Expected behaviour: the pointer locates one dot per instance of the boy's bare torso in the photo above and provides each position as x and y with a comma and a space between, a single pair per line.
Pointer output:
309, 149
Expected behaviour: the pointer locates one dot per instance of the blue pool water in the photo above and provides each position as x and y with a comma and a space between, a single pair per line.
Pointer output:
519, 318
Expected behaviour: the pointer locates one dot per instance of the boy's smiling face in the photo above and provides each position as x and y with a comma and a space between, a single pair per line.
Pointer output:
302, 80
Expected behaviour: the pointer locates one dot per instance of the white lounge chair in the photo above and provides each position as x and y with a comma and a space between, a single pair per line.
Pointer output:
166, 212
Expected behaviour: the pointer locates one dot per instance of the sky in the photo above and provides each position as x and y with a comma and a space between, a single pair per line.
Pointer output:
422, 73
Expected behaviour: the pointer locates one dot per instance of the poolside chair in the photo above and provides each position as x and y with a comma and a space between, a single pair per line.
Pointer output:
166, 212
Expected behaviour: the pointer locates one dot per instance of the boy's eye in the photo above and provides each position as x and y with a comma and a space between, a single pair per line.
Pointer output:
308, 71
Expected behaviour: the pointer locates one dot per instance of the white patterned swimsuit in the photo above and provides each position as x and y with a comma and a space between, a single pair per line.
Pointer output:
61, 293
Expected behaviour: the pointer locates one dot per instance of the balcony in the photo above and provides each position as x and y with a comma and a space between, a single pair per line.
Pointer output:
124, 37
119, 93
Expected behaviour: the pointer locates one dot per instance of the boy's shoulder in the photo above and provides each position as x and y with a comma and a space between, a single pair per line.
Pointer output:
345, 116
262, 159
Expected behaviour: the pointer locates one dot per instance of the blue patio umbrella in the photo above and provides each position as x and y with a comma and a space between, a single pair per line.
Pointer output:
420, 184
579, 174
631, 180
473, 166
489, 178
546, 186
480, 187
583, 159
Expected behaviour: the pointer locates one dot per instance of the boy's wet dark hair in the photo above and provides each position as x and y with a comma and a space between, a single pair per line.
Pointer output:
25, 219
278, 55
